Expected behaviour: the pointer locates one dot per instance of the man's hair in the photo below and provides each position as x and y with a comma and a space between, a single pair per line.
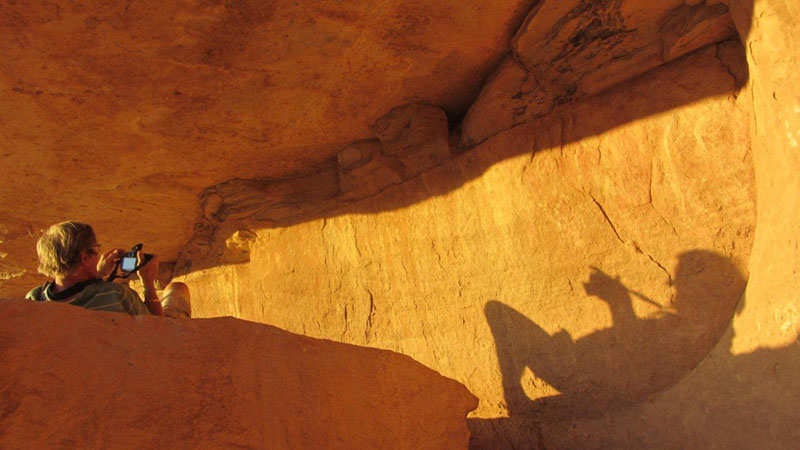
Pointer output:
61, 247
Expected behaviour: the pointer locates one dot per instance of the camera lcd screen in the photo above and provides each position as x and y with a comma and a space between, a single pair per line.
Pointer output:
128, 263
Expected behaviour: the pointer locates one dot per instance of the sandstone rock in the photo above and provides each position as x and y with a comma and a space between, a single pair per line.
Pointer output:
742, 396
574, 269
688, 28
585, 47
511, 96
357, 154
274, 200
145, 104
571, 49
364, 171
72, 377
414, 135
238, 246
18, 261
641, 182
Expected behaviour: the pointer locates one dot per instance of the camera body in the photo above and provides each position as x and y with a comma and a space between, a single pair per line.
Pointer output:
128, 262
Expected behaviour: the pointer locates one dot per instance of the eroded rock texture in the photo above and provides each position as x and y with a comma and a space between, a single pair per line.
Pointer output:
743, 394
582, 249
568, 50
122, 114
75, 378
491, 281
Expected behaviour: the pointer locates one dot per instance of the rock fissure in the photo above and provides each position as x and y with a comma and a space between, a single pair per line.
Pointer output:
606, 218
368, 329
737, 79
346, 323
654, 261
664, 219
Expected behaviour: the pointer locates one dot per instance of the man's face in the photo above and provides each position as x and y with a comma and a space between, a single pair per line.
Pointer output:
90, 259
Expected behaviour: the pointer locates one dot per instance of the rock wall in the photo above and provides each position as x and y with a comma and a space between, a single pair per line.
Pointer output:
566, 268
77, 378
122, 114
583, 250
743, 395
567, 50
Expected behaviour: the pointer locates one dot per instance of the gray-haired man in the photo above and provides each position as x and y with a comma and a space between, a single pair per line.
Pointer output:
69, 254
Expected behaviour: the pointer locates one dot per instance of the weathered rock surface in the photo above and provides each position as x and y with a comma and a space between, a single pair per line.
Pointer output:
578, 270
491, 279
76, 378
743, 395
122, 114
567, 50
410, 140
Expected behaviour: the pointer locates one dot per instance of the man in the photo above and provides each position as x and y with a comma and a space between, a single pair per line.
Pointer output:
70, 255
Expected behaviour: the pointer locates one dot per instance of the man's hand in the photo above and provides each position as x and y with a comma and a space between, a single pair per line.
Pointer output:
148, 272
107, 261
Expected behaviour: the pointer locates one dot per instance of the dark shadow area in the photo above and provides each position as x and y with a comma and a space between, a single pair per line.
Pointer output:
625, 363
251, 205
635, 359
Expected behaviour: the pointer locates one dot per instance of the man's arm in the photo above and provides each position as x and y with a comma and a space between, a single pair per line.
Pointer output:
147, 275
151, 300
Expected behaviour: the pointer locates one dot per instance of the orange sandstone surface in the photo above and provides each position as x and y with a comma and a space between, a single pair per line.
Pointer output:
586, 212
72, 378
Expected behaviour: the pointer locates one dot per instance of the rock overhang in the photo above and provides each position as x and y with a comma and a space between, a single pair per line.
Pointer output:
140, 112
765, 322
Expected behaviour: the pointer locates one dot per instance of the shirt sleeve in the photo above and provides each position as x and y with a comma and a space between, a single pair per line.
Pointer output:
34, 294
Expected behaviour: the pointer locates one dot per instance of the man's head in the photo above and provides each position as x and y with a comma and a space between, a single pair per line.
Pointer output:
68, 248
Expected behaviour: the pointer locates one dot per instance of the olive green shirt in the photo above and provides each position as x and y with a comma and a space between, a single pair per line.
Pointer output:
101, 296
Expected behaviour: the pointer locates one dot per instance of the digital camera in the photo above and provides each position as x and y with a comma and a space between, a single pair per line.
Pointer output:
129, 262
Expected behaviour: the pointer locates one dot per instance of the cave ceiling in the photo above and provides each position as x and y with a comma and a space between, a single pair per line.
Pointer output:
117, 112
122, 114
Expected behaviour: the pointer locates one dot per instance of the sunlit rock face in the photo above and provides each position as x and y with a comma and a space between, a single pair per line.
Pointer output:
603, 249
122, 114
567, 267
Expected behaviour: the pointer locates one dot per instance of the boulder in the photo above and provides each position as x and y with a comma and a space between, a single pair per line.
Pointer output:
79, 378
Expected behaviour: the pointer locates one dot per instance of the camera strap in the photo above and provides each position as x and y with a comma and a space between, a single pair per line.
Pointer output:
70, 291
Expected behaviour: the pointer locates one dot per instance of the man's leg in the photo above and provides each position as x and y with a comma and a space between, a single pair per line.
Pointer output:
176, 301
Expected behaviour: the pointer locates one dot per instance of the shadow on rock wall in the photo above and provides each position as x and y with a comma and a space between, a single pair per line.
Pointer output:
630, 363
415, 147
633, 358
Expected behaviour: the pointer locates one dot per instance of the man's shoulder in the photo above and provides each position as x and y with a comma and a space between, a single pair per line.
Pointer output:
109, 296
100, 287
36, 293
99, 295
108, 287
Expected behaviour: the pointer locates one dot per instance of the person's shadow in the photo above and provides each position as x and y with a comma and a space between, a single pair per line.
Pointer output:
625, 363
